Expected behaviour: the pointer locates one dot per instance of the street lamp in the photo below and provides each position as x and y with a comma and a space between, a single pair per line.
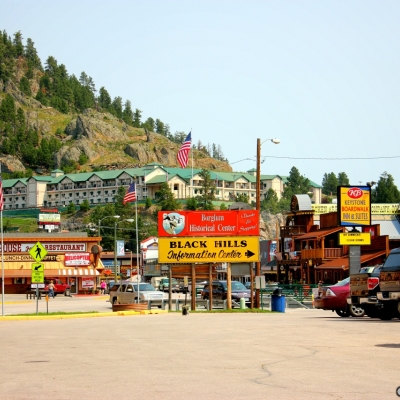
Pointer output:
258, 184
116, 217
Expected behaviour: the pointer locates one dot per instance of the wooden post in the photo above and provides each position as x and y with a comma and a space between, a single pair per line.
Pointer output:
194, 293
170, 288
229, 285
252, 287
210, 286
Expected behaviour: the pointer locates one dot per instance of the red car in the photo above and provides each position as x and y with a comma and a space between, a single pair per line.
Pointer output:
335, 298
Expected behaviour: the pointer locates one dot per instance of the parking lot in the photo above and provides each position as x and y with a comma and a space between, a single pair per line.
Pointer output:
302, 354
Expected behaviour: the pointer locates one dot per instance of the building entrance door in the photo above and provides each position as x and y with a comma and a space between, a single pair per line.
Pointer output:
74, 287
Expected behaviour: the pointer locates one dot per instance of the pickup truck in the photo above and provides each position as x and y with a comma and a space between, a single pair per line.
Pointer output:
363, 289
388, 294
59, 287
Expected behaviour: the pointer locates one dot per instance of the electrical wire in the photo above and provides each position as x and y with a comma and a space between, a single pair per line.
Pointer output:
318, 158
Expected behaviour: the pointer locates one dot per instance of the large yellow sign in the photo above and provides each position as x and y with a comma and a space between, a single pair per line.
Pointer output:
354, 205
355, 238
185, 250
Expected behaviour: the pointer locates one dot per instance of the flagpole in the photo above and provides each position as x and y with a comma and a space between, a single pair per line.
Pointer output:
137, 254
2, 247
191, 148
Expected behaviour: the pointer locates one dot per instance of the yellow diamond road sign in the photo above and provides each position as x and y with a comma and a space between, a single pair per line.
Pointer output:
38, 252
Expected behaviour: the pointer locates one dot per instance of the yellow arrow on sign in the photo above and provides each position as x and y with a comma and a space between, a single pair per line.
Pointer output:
233, 249
38, 252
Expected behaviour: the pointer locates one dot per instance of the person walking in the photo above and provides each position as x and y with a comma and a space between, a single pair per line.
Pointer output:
103, 286
51, 289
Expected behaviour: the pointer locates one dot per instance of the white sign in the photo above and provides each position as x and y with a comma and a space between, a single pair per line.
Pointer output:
50, 218
87, 283
37, 285
73, 259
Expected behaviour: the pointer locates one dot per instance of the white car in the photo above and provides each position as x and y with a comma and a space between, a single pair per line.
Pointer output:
129, 293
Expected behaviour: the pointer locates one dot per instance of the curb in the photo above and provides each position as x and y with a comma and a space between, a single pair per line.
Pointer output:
74, 316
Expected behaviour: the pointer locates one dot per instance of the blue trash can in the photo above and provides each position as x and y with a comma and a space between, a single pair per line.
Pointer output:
278, 303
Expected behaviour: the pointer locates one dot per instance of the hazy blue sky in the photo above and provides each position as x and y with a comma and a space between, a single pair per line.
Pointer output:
322, 76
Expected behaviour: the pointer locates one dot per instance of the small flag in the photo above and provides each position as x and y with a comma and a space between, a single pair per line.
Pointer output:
183, 153
130, 194
1, 194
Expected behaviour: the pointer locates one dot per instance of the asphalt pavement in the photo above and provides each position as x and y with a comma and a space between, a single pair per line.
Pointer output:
301, 354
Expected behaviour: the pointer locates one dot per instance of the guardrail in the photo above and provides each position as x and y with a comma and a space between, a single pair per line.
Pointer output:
299, 292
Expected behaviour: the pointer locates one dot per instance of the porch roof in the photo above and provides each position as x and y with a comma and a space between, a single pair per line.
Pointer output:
319, 233
343, 262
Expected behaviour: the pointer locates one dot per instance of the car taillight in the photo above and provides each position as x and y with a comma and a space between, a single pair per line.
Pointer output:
372, 283
329, 293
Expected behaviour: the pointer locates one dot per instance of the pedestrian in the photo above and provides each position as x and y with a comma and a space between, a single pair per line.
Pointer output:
103, 286
51, 289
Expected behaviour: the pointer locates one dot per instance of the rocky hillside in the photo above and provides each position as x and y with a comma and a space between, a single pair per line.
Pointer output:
94, 138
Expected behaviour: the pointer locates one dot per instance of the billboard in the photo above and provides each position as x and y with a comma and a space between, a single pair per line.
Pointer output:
237, 249
208, 223
354, 205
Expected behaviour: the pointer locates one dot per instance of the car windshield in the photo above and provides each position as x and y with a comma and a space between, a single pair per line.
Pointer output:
344, 282
238, 286
144, 287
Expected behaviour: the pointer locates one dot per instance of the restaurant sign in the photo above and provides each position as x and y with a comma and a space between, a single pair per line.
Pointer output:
56, 247
208, 223
73, 259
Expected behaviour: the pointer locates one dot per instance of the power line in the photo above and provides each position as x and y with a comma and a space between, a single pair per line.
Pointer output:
319, 158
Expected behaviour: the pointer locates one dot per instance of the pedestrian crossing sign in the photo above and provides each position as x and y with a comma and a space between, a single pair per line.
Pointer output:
38, 252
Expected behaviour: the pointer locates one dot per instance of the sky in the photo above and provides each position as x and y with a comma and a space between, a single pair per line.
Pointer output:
321, 76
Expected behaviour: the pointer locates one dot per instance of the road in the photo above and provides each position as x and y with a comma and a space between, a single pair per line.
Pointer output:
301, 354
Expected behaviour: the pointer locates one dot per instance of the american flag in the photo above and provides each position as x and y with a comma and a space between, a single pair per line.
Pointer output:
130, 194
183, 153
1, 194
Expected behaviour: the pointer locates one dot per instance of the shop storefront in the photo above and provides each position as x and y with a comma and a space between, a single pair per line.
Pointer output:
72, 258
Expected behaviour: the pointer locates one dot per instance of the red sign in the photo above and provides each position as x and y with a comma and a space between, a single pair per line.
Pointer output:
77, 259
209, 223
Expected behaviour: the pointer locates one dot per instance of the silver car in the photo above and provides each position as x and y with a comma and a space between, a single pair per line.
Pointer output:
128, 293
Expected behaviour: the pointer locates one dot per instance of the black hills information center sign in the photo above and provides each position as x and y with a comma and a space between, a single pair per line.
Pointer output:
236, 249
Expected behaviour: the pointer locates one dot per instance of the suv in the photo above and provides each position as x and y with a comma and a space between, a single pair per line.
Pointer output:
129, 293
220, 290
363, 289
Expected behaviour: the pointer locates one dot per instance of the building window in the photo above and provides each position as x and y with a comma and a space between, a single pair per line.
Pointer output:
176, 186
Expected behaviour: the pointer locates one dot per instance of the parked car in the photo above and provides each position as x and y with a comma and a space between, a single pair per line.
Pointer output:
334, 298
129, 293
220, 290
164, 285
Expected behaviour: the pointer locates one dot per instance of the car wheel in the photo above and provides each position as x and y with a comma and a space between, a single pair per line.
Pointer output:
114, 300
343, 312
356, 311
67, 292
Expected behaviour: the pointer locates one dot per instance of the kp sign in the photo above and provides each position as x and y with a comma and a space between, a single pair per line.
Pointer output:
354, 205
208, 223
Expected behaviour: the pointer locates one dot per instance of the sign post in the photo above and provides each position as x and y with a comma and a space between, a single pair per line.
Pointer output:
38, 252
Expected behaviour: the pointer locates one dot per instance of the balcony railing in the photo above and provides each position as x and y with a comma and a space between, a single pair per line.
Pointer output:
291, 230
328, 253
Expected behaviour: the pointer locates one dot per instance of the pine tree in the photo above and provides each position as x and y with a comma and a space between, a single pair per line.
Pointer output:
207, 191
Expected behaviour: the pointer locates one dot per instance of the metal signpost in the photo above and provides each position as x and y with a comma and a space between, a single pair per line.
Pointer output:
38, 253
